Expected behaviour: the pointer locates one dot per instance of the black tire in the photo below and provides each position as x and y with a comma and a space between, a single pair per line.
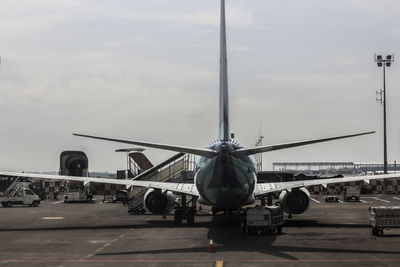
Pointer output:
374, 231
178, 217
380, 232
279, 230
4, 204
190, 216
9, 204
35, 203
190, 219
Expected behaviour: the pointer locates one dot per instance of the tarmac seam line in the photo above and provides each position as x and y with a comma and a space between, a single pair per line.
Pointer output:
315, 200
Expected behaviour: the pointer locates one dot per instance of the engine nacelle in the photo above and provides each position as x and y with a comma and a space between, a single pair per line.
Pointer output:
296, 201
156, 202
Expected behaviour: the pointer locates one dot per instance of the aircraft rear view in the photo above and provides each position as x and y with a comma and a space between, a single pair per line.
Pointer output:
225, 175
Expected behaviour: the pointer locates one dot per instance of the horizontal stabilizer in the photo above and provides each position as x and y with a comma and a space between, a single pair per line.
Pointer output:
263, 149
196, 151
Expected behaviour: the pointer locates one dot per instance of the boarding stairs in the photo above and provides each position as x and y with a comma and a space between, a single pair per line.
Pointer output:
178, 168
138, 163
13, 189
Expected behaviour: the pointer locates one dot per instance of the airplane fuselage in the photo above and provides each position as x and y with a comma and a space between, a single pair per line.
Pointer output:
225, 181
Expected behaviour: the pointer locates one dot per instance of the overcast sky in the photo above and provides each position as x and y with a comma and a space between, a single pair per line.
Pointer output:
148, 70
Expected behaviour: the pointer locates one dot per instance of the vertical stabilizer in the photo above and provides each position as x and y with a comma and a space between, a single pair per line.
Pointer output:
223, 82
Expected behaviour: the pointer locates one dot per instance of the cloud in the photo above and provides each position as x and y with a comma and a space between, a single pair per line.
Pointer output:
241, 48
130, 40
317, 80
236, 16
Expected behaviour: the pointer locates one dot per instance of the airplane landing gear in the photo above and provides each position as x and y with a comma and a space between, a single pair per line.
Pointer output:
178, 217
190, 216
214, 210
183, 212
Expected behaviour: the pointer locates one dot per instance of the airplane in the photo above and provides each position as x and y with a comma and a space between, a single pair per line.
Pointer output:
225, 175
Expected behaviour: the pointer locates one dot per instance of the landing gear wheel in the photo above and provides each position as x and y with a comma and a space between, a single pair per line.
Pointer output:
190, 216
178, 217
374, 231
279, 230
380, 232
214, 210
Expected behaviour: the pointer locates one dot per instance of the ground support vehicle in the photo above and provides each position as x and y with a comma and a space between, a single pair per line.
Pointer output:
19, 195
121, 196
77, 192
351, 193
331, 196
262, 220
383, 217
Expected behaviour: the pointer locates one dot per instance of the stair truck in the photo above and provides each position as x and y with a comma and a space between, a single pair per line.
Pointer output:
262, 220
383, 217
19, 194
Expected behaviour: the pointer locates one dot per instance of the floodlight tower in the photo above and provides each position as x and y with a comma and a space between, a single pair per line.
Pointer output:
384, 62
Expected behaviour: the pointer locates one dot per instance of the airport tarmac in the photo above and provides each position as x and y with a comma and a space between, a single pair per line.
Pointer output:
104, 234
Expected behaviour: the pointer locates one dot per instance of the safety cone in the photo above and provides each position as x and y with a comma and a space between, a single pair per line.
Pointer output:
211, 246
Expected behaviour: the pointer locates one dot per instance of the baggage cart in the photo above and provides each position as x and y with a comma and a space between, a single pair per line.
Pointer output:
352, 193
382, 217
262, 220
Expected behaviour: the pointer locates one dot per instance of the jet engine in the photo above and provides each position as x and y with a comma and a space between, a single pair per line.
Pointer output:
156, 202
295, 201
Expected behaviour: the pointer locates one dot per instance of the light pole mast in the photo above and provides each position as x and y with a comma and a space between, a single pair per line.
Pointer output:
384, 62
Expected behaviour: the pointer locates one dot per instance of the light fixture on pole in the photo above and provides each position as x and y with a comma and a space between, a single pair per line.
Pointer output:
384, 62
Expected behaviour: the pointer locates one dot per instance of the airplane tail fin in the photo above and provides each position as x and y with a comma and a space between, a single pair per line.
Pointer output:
223, 134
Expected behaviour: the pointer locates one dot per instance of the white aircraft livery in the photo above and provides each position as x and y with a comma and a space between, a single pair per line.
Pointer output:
225, 175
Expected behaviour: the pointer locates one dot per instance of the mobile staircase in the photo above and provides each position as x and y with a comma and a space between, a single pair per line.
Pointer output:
12, 189
178, 168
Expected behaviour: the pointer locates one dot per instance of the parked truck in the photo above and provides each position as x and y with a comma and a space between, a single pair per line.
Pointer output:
19, 194
351, 193
262, 219
383, 217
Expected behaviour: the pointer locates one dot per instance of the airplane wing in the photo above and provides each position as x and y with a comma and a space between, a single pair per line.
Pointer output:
265, 188
208, 153
262, 149
188, 189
